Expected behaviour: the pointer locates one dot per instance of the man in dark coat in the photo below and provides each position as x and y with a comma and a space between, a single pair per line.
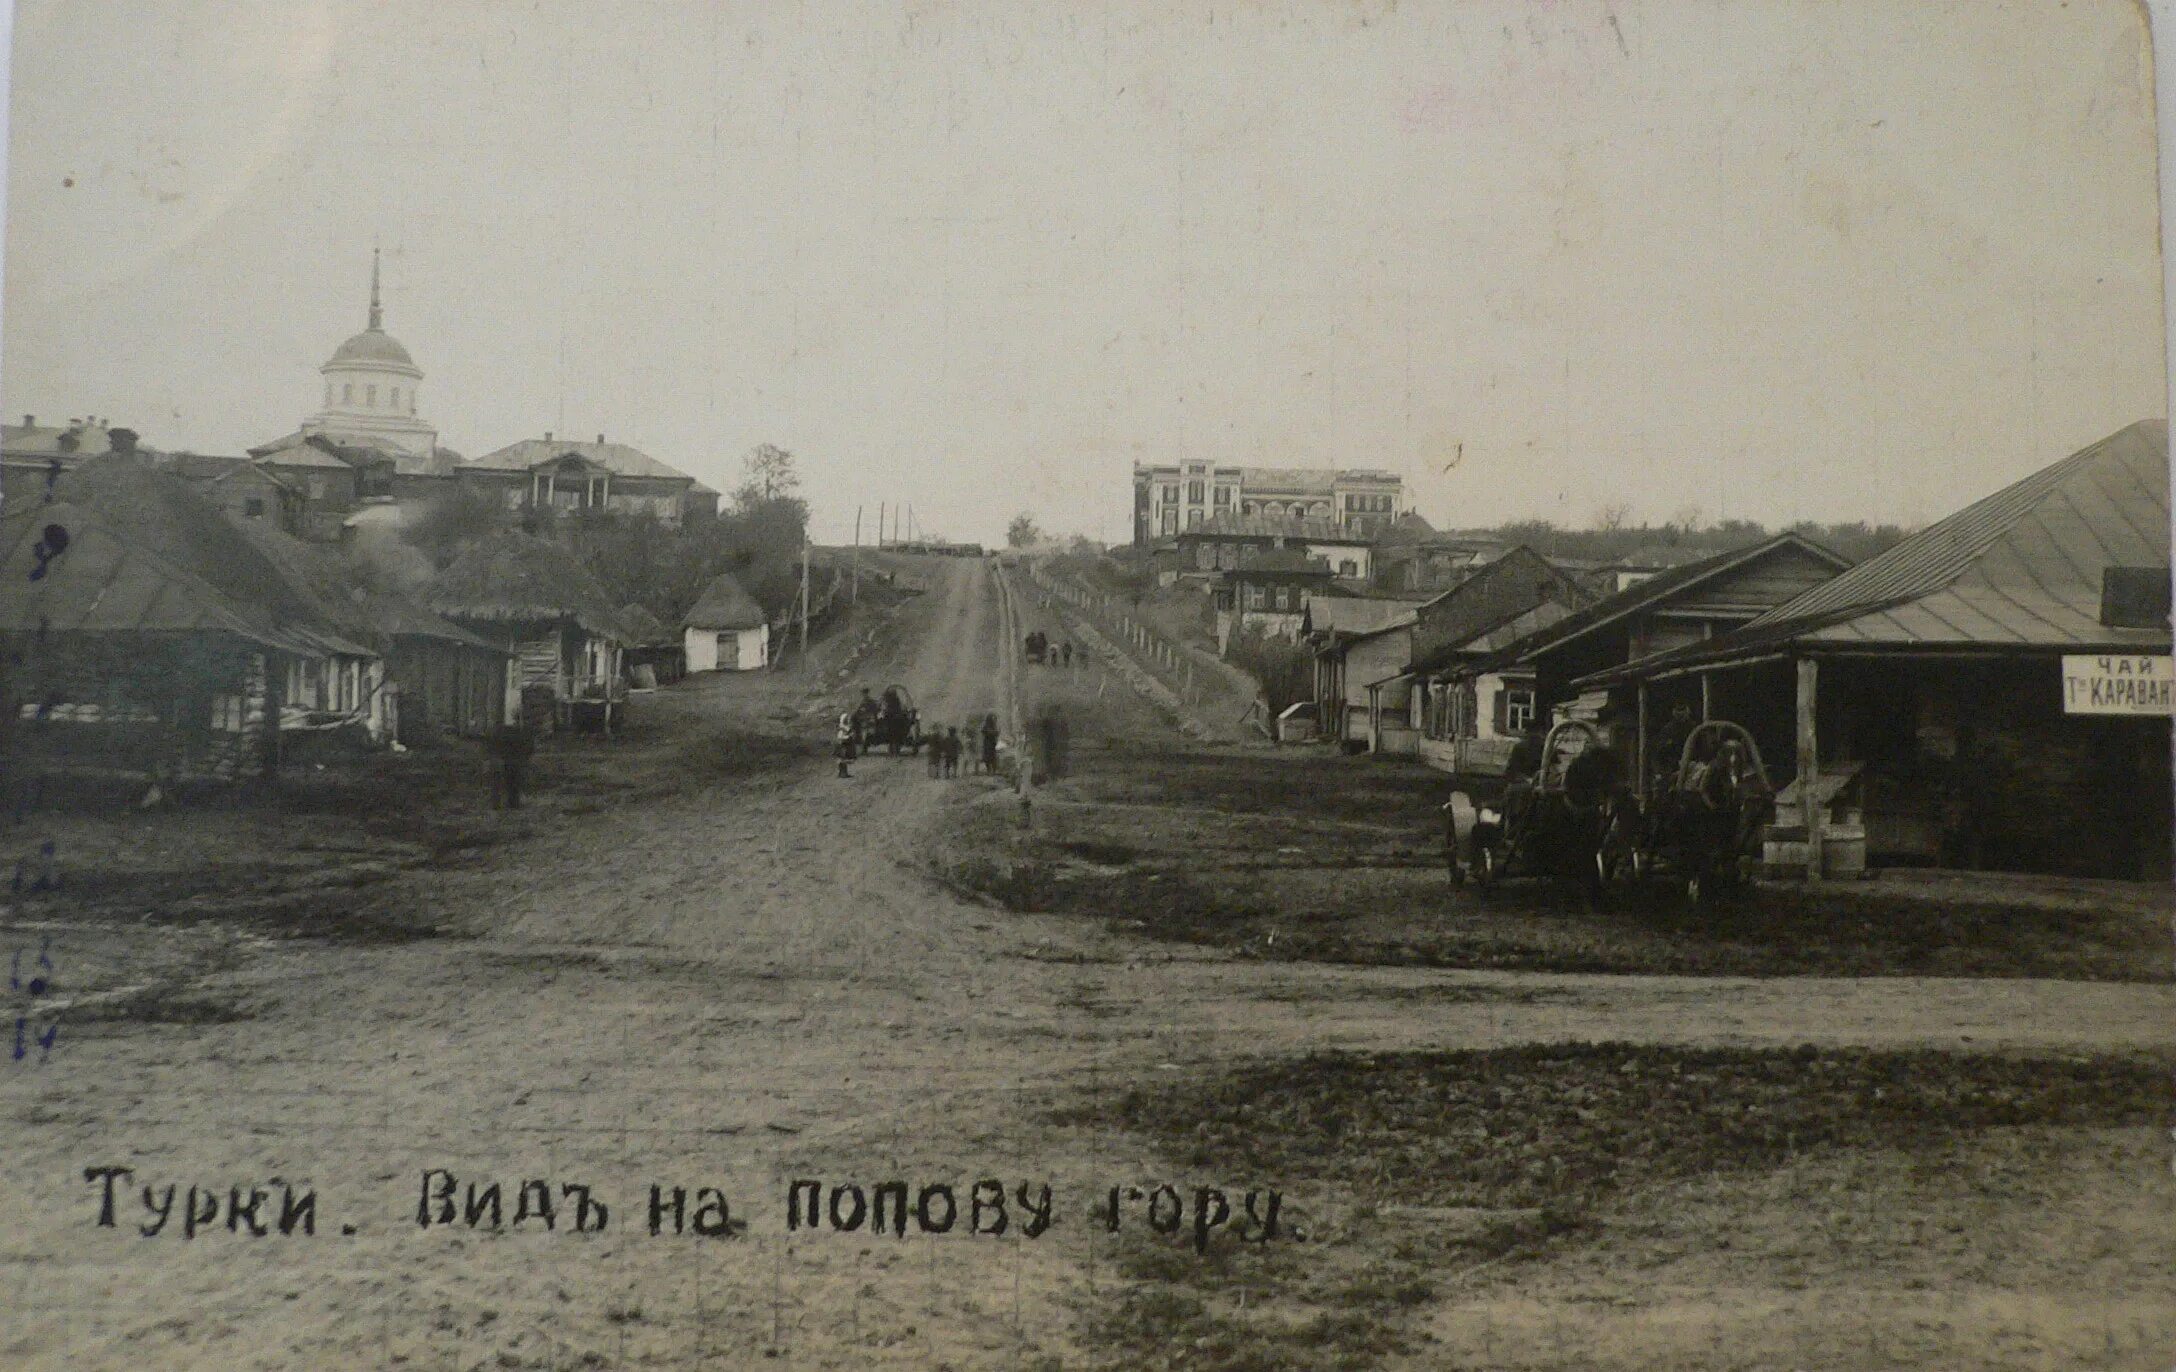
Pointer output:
511, 745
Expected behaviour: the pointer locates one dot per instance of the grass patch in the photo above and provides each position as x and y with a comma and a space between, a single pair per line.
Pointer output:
1529, 1148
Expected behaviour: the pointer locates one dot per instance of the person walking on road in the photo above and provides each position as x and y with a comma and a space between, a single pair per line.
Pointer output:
951, 752
989, 744
936, 753
1065, 652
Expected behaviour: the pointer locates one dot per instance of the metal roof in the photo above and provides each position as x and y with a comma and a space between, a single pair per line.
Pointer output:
2019, 569
1351, 617
616, 458
2021, 566
1654, 590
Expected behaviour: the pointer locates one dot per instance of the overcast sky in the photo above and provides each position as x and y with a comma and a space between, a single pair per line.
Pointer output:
1846, 259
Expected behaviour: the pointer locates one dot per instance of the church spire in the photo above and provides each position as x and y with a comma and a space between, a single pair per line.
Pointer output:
377, 314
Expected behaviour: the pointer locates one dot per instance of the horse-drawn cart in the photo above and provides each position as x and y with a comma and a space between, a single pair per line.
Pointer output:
897, 725
1553, 825
1706, 816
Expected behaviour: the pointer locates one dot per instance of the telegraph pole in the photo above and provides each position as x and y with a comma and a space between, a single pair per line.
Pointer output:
804, 601
880, 524
855, 595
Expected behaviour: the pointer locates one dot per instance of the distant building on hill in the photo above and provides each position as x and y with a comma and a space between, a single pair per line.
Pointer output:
564, 476
368, 446
1172, 498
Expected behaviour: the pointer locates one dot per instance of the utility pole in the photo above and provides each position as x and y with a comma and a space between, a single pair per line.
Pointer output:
880, 524
804, 601
854, 596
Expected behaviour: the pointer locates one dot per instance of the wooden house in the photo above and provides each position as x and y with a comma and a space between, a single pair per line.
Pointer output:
532, 599
1266, 592
1499, 604
1356, 640
1682, 605
560, 476
141, 632
1997, 687
1225, 542
727, 630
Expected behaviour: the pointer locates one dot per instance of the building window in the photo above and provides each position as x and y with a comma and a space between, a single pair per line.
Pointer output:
1256, 597
395, 401
1348, 567
1171, 521
347, 394
1193, 492
1171, 495
1223, 495
253, 507
370, 395
1193, 519
1518, 710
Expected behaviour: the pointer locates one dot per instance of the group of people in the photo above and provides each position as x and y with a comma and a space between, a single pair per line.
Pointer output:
1041, 649
948, 749
948, 746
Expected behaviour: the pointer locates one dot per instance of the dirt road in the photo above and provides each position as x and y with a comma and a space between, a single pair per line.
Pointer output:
739, 983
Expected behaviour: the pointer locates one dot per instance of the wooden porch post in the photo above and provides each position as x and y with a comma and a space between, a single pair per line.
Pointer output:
1639, 762
1809, 764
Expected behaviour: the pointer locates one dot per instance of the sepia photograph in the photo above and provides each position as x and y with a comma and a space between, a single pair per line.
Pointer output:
1239, 685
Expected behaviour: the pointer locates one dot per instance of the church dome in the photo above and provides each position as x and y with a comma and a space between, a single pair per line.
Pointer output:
373, 345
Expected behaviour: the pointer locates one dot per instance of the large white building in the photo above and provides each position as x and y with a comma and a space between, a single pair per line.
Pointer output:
370, 400
1171, 498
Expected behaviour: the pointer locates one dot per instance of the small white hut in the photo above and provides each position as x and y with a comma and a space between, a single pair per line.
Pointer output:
726, 631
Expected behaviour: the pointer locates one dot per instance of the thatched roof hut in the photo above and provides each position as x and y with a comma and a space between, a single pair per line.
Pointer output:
147, 553
724, 604
510, 578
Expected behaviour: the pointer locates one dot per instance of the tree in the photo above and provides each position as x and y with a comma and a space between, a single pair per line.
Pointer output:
1023, 531
770, 474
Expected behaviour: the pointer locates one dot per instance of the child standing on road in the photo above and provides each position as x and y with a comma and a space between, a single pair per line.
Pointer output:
951, 752
989, 744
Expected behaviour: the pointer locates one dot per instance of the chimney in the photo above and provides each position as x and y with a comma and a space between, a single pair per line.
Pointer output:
600, 440
547, 435
30, 421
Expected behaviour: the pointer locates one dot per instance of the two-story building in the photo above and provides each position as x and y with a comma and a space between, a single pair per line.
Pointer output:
566, 476
1173, 498
1225, 542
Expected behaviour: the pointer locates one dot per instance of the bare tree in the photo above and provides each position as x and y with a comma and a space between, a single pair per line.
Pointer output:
1613, 516
770, 475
